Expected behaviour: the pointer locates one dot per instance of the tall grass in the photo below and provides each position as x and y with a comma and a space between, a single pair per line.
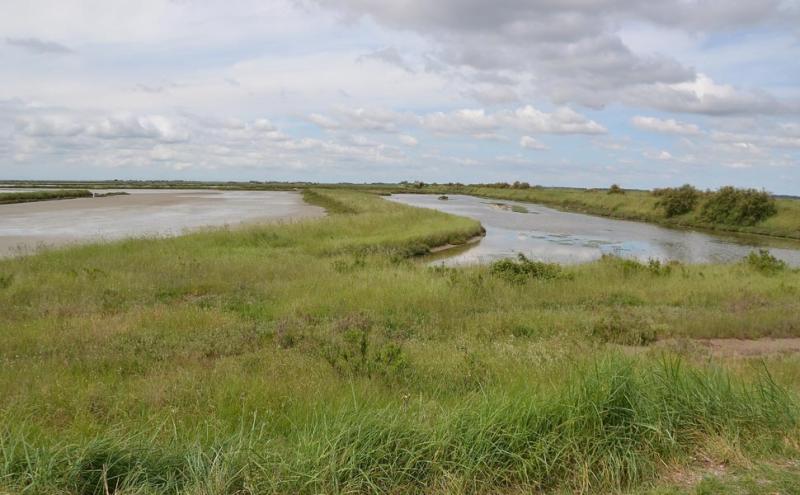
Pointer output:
611, 424
322, 357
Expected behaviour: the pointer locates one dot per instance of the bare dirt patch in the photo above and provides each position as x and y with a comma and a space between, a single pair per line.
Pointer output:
736, 347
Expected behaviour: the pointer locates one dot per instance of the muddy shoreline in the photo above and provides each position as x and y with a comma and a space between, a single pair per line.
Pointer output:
28, 227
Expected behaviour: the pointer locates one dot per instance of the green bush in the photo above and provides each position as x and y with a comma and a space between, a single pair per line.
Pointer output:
762, 261
522, 269
677, 200
743, 207
352, 350
616, 189
623, 328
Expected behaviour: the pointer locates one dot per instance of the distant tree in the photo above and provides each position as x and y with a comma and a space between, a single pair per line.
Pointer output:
677, 200
744, 207
615, 189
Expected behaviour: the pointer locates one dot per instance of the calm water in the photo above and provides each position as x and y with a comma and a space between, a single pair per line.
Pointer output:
25, 227
555, 236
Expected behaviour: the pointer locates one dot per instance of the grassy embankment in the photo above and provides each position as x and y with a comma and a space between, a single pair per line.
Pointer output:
316, 357
633, 205
27, 197
639, 205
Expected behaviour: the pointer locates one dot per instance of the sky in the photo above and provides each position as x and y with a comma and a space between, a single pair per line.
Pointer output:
553, 92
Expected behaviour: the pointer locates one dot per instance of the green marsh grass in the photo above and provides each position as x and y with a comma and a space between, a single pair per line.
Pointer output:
30, 196
322, 357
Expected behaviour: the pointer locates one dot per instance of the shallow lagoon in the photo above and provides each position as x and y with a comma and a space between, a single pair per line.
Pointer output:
25, 227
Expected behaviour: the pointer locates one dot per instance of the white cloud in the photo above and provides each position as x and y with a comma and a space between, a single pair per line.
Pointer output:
323, 121
662, 155
666, 126
530, 143
407, 140
704, 96
563, 120
48, 125
128, 126
479, 123
472, 122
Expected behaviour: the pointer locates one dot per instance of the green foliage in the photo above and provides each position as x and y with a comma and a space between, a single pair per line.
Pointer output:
677, 200
616, 189
330, 203
311, 357
25, 197
764, 262
620, 327
732, 206
352, 349
6, 280
608, 425
629, 266
522, 270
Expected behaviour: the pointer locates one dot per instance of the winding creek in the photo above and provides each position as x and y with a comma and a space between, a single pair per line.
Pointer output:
555, 236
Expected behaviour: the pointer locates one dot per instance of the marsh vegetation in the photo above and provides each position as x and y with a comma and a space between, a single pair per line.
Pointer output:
29, 196
321, 357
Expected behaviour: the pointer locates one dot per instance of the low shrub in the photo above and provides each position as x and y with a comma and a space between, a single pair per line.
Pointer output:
677, 200
742, 207
352, 349
762, 261
631, 266
623, 328
522, 269
616, 189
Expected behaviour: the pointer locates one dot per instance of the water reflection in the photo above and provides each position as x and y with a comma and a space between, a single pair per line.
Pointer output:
555, 236
25, 227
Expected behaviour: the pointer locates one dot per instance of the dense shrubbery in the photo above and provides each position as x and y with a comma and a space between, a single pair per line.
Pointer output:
764, 262
504, 185
522, 269
732, 206
677, 200
616, 189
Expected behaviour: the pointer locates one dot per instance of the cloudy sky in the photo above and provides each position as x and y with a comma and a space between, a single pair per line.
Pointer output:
554, 92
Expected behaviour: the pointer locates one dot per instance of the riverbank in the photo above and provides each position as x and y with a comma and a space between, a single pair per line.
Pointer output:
31, 226
639, 206
632, 205
7, 198
317, 357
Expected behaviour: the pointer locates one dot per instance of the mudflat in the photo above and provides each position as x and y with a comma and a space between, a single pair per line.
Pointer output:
27, 227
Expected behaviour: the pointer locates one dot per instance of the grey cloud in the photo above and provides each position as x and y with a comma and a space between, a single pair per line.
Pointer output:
118, 127
705, 96
665, 126
362, 119
571, 48
49, 126
38, 46
388, 55
151, 126
480, 124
